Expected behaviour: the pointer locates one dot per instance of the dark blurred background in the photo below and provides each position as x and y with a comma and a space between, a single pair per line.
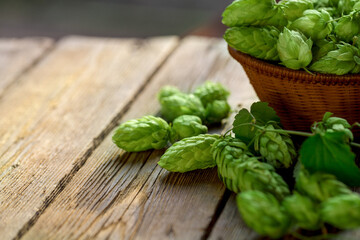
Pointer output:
111, 18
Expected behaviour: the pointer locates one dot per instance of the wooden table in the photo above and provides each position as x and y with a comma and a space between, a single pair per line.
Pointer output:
61, 177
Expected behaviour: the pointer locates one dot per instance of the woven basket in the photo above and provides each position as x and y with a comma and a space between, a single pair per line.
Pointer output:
300, 98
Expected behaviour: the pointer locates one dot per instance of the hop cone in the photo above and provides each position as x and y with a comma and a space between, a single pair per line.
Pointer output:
294, 9
342, 211
240, 172
257, 42
263, 213
313, 24
347, 27
248, 12
181, 104
336, 124
303, 211
189, 154
278, 19
321, 48
356, 6
210, 91
320, 186
345, 59
277, 149
186, 126
216, 111
167, 91
227, 152
142, 134
294, 49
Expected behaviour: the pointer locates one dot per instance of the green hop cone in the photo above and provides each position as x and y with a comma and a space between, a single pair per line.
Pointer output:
336, 124
278, 19
321, 48
263, 213
248, 12
210, 91
189, 154
216, 111
186, 126
181, 104
255, 41
320, 186
347, 27
346, 6
277, 149
294, 9
167, 91
229, 148
345, 59
294, 49
303, 211
342, 211
142, 134
240, 172
313, 24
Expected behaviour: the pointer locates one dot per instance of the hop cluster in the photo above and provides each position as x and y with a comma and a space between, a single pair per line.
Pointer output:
277, 149
142, 134
263, 213
320, 186
189, 154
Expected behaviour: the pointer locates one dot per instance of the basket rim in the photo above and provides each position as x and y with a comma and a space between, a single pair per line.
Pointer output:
283, 73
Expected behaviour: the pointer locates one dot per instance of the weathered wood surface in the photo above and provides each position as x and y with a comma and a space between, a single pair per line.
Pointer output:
61, 177
58, 114
138, 199
19, 55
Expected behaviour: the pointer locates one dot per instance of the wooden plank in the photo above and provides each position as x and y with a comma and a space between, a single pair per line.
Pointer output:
59, 115
17, 56
117, 195
230, 225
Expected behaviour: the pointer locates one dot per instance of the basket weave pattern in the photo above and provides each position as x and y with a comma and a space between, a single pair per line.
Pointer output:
300, 98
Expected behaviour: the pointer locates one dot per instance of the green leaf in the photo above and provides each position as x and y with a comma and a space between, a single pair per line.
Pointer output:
329, 152
241, 128
263, 113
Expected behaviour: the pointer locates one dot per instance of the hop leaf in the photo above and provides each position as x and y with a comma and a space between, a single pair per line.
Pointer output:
240, 172
261, 114
216, 111
189, 154
186, 126
303, 211
257, 42
320, 186
294, 49
211, 91
342, 211
142, 134
340, 61
329, 152
181, 104
263, 213
248, 12
294, 9
314, 24
277, 149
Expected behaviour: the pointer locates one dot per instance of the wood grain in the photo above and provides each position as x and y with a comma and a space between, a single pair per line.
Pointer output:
59, 113
117, 195
17, 56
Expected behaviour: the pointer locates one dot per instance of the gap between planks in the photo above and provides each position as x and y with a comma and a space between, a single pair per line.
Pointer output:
96, 142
